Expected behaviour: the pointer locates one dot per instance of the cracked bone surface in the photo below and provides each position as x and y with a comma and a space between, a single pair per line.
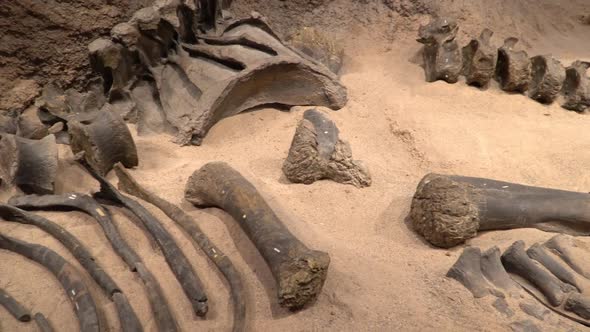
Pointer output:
576, 88
479, 59
547, 78
513, 68
198, 78
441, 54
31, 165
318, 153
105, 140
299, 272
448, 210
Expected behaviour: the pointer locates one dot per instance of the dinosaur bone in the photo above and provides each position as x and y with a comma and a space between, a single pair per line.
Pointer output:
547, 78
442, 55
14, 307
513, 68
298, 271
479, 60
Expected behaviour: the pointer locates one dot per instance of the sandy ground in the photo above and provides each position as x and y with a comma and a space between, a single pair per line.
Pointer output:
383, 277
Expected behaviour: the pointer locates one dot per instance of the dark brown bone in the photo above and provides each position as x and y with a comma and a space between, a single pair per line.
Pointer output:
571, 251
317, 153
513, 68
298, 271
516, 261
28, 124
14, 307
129, 185
441, 54
30, 165
67, 275
479, 60
540, 254
447, 210
42, 323
494, 272
190, 282
546, 78
159, 306
467, 270
576, 87
105, 140
127, 316
578, 304
7, 124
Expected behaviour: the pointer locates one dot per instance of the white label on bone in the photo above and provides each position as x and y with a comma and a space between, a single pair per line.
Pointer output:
244, 217
277, 250
72, 196
504, 187
99, 211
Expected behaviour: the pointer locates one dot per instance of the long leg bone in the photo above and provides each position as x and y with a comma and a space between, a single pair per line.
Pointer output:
67, 275
159, 306
14, 307
447, 210
127, 316
298, 271
190, 282
129, 185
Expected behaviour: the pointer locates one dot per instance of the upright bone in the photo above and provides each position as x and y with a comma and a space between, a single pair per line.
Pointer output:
442, 55
576, 88
546, 78
298, 271
448, 210
513, 68
479, 60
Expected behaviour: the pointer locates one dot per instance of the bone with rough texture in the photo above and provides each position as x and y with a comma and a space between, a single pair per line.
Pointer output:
298, 271
7, 124
318, 46
571, 251
441, 54
129, 185
576, 87
28, 124
513, 68
479, 60
127, 317
318, 153
42, 323
541, 255
217, 70
516, 261
14, 307
73, 284
494, 272
179, 264
547, 76
29, 164
448, 210
467, 270
105, 140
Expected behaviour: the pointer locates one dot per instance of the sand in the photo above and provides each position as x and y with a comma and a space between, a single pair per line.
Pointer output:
383, 277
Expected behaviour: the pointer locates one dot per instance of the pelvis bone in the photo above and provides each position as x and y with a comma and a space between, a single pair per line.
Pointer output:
198, 79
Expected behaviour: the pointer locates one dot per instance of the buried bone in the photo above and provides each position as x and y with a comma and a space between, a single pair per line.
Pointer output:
479, 60
105, 140
298, 271
576, 87
318, 153
129, 185
164, 319
513, 68
441, 54
68, 276
127, 316
448, 210
42, 323
547, 78
28, 164
14, 307
179, 264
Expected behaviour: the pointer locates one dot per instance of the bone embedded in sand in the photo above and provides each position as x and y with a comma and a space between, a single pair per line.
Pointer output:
467, 270
576, 87
479, 60
441, 54
16, 309
547, 76
299, 272
318, 153
513, 68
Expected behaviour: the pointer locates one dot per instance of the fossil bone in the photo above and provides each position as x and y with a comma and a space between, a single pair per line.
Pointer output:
14, 307
479, 60
298, 271
513, 68
547, 78
576, 87
441, 54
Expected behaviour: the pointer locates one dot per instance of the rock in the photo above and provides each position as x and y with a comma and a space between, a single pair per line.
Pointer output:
547, 78
524, 326
20, 96
7, 124
30, 126
318, 153
479, 60
315, 44
441, 54
513, 68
